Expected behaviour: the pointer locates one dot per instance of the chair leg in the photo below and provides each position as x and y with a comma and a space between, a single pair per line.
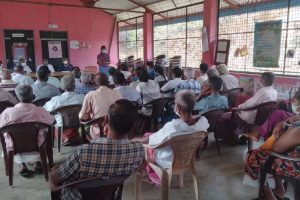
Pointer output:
180, 180
195, 180
138, 184
10, 167
43, 150
297, 190
165, 186
250, 144
59, 139
263, 175
217, 143
155, 124
53, 136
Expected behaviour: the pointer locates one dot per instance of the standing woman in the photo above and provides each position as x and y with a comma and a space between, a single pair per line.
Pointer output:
103, 60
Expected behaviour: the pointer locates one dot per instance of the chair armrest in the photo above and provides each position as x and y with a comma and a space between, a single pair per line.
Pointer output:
91, 122
277, 155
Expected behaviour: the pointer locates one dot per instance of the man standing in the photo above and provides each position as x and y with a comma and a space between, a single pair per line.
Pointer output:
103, 60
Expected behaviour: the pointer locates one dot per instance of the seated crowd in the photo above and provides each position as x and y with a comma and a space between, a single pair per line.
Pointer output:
113, 97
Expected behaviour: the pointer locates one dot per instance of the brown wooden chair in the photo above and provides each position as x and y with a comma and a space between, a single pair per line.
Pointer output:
267, 169
91, 69
213, 116
70, 118
184, 150
158, 110
25, 139
41, 102
263, 111
85, 124
93, 188
232, 95
4, 105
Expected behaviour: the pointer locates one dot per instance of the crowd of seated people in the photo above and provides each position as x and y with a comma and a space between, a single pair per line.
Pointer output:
111, 97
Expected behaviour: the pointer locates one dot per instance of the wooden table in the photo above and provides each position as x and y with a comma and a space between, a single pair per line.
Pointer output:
54, 74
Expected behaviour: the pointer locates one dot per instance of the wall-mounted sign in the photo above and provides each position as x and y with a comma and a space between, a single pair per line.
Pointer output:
54, 48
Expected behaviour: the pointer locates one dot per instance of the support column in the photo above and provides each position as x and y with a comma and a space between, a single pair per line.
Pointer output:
210, 21
148, 36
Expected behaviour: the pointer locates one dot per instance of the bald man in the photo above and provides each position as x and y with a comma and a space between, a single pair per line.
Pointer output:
96, 103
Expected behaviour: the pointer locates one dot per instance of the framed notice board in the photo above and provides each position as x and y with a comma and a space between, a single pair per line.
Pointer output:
222, 52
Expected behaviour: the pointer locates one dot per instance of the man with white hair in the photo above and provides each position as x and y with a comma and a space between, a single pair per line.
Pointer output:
25, 111
230, 81
6, 81
187, 123
85, 86
189, 83
69, 97
19, 76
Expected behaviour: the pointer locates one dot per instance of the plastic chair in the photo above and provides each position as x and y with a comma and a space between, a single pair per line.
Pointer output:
41, 102
263, 112
91, 69
158, 108
70, 119
83, 124
213, 116
232, 95
25, 139
267, 169
93, 188
4, 105
184, 150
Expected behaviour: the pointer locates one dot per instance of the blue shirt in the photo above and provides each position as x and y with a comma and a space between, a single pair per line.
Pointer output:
211, 102
84, 89
151, 73
69, 67
190, 84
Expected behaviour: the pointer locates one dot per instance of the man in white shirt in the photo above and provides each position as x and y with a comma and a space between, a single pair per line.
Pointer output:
46, 63
174, 83
23, 63
127, 92
124, 70
187, 123
203, 77
19, 77
69, 97
42, 89
229, 80
6, 83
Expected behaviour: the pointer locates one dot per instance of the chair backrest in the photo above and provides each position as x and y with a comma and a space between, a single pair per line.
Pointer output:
263, 111
212, 117
184, 149
91, 69
69, 115
99, 189
232, 95
24, 135
41, 102
158, 106
175, 61
4, 105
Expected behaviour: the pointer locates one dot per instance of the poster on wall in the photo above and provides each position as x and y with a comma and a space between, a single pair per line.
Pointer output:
54, 48
267, 42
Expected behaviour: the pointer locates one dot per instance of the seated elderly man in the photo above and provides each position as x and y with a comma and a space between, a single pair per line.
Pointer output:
189, 83
25, 111
51, 80
96, 103
69, 97
113, 155
127, 92
76, 74
214, 100
42, 89
6, 81
230, 81
85, 86
186, 124
19, 77
6, 96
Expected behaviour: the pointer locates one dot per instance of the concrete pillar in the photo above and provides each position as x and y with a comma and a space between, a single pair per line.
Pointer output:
210, 21
148, 36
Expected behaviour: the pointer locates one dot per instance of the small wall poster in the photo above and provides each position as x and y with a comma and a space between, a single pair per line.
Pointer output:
267, 41
55, 50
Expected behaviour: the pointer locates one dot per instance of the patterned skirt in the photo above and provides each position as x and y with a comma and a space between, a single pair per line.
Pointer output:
257, 158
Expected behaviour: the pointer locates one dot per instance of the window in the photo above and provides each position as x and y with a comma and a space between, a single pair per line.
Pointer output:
238, 25
178, 32
131, 38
